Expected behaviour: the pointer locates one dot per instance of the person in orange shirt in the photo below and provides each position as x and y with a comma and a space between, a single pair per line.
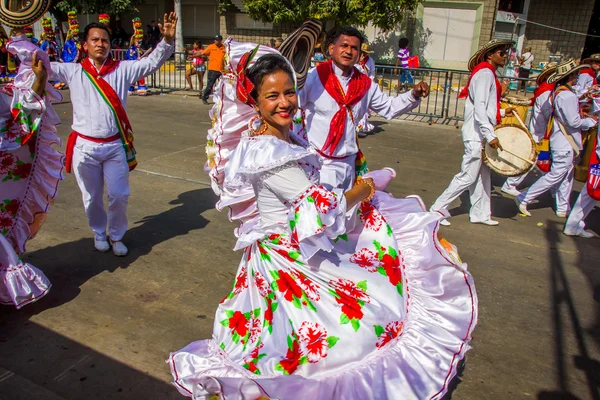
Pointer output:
216, 65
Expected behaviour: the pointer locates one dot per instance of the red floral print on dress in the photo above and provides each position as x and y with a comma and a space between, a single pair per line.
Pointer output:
366, 259
255, 330
241, 283
370, 216
261, 284
239, 323
309, 287
22, 170
6, 222
251, 363
11, 206
352, 297
392, 268
313, 341
391, 331
288, 286
324, 200
7, 162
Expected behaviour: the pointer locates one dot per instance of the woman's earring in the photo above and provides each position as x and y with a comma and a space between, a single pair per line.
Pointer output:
263, 128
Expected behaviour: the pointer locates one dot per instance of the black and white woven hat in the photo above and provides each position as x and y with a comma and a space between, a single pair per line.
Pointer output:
298, 48
21, 13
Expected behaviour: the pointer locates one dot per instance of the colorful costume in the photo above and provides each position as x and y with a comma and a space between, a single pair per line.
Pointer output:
30, 171
48, 43
72, 49
5, 55
135, 53
329, 302
100, 148
29, 33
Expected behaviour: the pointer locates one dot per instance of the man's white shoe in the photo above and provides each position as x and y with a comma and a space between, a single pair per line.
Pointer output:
561, 214
445, 222
489, 222
511, 191
101, 245
583, 234
119, 249
522, 208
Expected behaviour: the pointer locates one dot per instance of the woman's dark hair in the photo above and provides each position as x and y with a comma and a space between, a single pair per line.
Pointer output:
266, 65
403, 43
96, 25
198, 43
346, 31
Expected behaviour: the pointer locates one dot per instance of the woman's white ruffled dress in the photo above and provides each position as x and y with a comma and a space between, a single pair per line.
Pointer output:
30, 171
329, 302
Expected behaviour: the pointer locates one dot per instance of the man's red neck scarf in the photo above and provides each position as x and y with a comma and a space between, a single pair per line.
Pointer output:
358, 86
590, 72
109, 66
465, 91
541, 89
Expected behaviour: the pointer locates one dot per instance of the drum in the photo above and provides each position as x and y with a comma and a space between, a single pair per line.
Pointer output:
588, 139
519, 153
519, 103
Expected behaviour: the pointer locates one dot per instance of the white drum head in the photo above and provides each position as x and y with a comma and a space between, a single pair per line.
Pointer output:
517, 141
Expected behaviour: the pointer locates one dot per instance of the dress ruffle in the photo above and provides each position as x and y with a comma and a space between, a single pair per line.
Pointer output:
423, 352
20, 283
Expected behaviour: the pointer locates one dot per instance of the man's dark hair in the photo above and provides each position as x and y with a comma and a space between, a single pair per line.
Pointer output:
266, 65
96, 25
403, 43
347, 31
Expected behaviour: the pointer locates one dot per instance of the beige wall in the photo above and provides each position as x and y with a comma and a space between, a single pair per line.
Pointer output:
573, 15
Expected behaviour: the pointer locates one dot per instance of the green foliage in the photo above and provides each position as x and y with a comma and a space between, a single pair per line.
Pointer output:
111, 7
384, 14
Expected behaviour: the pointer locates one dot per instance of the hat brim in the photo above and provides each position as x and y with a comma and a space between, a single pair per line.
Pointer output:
368, 51
589, 60
298, 48
480, 54
25, 16
545, 74
555, 77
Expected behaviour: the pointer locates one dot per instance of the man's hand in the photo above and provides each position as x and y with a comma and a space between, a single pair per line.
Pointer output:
38, 68
421, 89
168, 28
495, 143
508, 111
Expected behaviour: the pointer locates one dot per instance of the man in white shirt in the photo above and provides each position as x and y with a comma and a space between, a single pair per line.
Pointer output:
565, 141
482, 113
525, 61
100, 149
366, 65
336, 97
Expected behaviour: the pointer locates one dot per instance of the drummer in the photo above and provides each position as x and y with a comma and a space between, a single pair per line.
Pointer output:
565, 140
539, 120
482, 112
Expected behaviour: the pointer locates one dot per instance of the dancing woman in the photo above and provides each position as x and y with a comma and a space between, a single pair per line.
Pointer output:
338, 295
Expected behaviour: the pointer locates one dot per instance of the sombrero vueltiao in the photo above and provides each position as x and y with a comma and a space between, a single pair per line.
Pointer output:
548, 70
479, 55
20, 13
593, 57
298, 48
565, 68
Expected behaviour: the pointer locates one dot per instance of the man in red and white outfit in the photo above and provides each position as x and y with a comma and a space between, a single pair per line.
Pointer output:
336, 97
100, 149
482, 112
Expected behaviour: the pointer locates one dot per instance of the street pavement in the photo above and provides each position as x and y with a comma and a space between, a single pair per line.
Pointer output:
108, 324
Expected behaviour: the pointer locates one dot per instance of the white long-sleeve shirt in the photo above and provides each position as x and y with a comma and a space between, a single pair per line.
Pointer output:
91, 115
320, 108
584, 82
542, 110
481, 108
566, 110
368, 68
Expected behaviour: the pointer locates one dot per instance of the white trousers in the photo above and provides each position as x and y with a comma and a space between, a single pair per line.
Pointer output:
95, 164
338, 174
559, 177
582, 207
514, 181
474, 176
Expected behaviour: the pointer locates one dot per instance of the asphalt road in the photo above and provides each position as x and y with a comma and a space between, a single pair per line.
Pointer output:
109, 323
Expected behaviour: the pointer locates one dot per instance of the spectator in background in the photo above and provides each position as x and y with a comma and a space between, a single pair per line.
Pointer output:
198, 67
278, 42
154, 34
525, 62
216, 64
402, 61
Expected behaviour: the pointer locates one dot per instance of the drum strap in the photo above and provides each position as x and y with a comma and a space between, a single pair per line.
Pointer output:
561, 127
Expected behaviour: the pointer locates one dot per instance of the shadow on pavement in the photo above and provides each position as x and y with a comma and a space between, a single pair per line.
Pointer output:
70, 265
563, 306
68, 369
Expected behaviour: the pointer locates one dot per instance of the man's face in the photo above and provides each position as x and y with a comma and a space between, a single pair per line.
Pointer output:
219, 42
97, 44
345, 51
595, 65
499, 57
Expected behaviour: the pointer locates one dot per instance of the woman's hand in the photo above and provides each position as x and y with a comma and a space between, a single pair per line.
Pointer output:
41, 75
381, 177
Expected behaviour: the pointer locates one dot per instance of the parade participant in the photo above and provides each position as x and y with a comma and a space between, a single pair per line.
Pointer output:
589, 76
216, 65
135, 53
542, 109
100, 148
29, 34
565, 141
48, 43
319, 309
335, 97
198, 67
366, 65
587, 199
482, 112
72, 49
30, 171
